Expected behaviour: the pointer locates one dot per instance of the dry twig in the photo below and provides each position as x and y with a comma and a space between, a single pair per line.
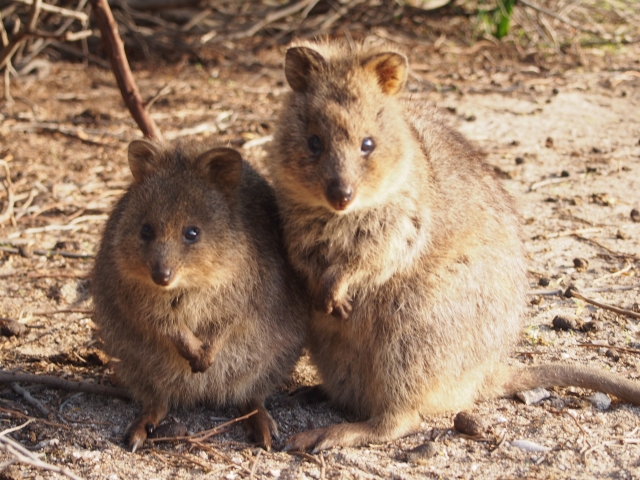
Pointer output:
29, 398
62, 384
205, 434
27, 457
620, 311
120, 66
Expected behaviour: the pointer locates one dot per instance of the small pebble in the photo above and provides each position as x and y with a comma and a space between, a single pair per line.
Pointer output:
469, 424
593, 326
566, 322
422, 453
11, 328
620, 234
564, 173
519, 160
536, 300
549, 142
529, 397
529, 446
600, 400
500, 419
581, 264
612, 354
544, 282
635, 215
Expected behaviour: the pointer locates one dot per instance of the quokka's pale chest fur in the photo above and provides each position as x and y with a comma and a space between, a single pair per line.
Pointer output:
410, 248
192, 292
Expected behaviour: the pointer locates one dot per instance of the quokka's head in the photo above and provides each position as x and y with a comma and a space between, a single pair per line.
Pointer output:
177, 228
343, 142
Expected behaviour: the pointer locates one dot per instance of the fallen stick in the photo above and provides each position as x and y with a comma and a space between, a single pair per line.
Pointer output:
29, 458
34, 419
205, 434
120, 66
613, 347
612, 252
29, 398
63, 12
560, 291
45, 253
62, 384
621, 311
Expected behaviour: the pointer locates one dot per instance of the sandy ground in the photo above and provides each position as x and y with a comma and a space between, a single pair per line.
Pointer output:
65, 140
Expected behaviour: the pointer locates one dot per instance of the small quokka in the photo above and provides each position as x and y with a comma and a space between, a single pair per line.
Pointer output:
192, 292
411, 251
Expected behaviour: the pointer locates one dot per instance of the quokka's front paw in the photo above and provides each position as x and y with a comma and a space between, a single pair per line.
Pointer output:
327, 303
200, 363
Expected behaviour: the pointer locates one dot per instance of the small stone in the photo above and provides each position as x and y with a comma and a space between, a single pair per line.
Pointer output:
600, 400
275, 473
536, 300
11, 328
555, 91
529, 397
596, 150
169, 429
622, 235
566, 322
469, 424
544, 282
612, 354
519, 160
564, 173
581, 264
422, 453
593, 326
635, 215
549, 142
500, 419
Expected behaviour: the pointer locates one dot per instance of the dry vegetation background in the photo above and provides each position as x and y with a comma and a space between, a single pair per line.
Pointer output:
555, 103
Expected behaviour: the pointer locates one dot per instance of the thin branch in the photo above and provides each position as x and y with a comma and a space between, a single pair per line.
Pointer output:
205, 434
273, 17
621, 311
62, 384
29, 458
63, 12
18, 414
46, 253
120, 66
560, 291
29, 398
564, 20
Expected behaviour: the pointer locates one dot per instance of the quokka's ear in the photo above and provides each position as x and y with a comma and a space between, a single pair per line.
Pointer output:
144, 157
299, 62
391, 70
222, 167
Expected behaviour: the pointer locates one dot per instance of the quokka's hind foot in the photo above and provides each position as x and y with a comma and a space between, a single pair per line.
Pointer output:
140, 428
375, 430
260, 427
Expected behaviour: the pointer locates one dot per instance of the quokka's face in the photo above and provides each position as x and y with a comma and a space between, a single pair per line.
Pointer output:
342, 132
177, 231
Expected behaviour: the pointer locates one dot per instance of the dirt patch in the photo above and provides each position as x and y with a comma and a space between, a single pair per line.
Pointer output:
566, 143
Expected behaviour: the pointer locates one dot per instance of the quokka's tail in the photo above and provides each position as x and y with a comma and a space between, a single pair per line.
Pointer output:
561, 375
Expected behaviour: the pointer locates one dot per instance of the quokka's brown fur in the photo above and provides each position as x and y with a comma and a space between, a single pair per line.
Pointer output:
411, 250
192, 292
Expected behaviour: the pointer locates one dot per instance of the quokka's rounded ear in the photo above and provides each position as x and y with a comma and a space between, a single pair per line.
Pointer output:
144, 158
222, 167
299, 62
391, 70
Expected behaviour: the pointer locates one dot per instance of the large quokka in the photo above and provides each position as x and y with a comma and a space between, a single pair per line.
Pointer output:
410, 248
192, 292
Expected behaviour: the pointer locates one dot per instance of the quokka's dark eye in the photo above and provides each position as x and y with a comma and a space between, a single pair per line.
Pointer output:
146, 232
191, 234
367, 146
315, 144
